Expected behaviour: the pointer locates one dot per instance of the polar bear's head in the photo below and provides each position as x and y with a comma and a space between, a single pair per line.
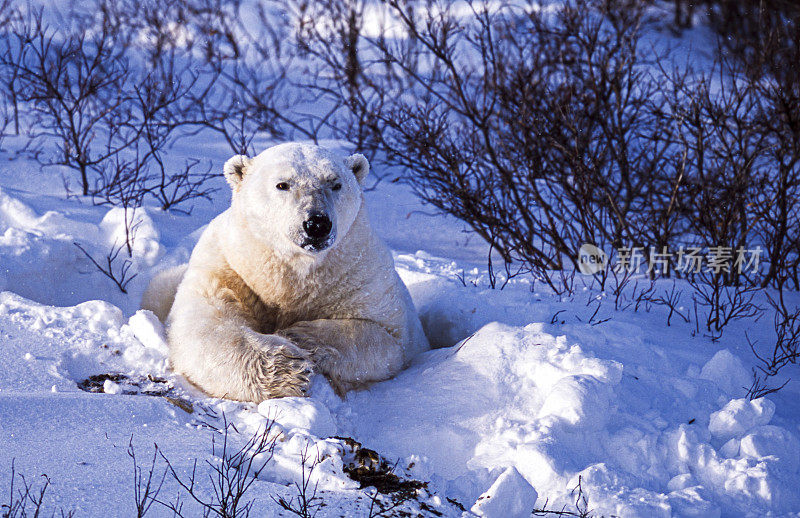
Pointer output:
300, 198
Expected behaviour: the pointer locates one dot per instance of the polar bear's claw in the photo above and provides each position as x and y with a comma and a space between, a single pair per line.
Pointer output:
281, 369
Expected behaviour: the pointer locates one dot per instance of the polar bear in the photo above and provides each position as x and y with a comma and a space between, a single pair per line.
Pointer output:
290, 280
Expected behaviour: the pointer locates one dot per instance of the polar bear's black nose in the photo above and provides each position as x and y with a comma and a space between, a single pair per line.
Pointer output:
317, 226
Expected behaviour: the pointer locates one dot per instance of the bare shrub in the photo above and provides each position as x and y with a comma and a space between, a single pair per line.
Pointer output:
251, 64
112, 266
330, 32
721, 157
745, 24
622, 278
250, 101
723, 304
88, 93
777, 206
684, 12
162, 103
240, 87
784, 351
9, 106
306, 503
158, 27
25, 499
581, 140
231, 473
760, 49
123, 185
537, 151
72, 87
580, 509
162, 92
146, 486
671, 300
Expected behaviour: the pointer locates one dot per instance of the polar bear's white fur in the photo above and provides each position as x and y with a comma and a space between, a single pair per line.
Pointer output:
261, 306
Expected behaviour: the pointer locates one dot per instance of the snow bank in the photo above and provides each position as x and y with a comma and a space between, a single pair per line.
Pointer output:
41, 262
522, 398
141, 232
73, 343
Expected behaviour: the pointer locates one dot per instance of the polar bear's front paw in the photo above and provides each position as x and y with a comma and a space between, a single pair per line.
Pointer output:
280, 369
326, 361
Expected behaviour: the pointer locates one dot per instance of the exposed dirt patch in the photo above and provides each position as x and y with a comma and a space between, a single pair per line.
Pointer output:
118, 383
369, 469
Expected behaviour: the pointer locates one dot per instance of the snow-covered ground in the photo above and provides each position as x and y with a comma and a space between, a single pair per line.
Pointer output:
532, 400
531, 394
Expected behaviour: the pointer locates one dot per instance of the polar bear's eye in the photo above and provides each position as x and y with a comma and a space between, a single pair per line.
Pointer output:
283, 186
336, 187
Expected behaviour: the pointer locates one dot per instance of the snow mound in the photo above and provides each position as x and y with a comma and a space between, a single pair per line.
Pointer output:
772, 441
739, 416
519, 397
499, 398
92, 338
40, 259
728, 372
146, 327
293, 413
141, 232
511, 496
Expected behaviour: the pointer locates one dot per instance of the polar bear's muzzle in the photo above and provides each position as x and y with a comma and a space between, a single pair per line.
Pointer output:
319, 233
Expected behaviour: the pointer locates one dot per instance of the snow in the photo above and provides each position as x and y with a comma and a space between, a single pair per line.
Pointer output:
146, 327
768, 440
511, 496
145, 242
727, 371
527, 402
294, 413
739, 416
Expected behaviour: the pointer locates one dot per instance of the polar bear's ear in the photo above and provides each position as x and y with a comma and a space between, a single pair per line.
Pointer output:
359, 165
235, 169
